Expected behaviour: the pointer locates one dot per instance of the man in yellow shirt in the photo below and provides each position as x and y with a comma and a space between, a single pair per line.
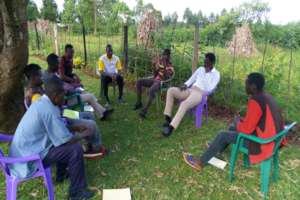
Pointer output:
110, 68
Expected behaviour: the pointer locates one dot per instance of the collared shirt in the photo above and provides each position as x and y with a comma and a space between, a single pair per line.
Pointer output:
109, 65
205, 81
40, 129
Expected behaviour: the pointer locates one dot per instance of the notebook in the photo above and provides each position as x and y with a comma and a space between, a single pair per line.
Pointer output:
116, 194
217, 163
72, 114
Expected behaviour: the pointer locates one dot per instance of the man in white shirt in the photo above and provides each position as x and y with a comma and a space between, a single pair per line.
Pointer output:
204, 79
110, 68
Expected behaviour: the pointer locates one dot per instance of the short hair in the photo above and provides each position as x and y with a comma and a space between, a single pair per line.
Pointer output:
167, 52
257, 79
52, 59
108, 46
53, 85
31, 70
211, 57
68, 46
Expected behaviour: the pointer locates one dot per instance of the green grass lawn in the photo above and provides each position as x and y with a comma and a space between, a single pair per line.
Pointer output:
153, 168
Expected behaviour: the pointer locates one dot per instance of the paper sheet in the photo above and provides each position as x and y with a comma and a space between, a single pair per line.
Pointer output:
217, 163
88, 108
116, 194
72, 114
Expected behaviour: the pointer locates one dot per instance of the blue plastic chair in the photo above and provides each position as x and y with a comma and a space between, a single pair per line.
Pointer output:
12, 182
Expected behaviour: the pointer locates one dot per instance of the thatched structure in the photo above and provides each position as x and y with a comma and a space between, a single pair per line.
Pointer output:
148, 25
242, 43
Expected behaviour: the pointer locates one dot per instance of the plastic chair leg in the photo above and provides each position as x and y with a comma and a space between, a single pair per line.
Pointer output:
206, 110
246, 160
198, 113
234, 153
276, 167
265, 170
11, 189
48, 183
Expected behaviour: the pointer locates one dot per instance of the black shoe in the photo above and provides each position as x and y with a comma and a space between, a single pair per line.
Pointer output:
137, 106
81, 195
168, 121
167, 131
106, 114
143, 114
166, 124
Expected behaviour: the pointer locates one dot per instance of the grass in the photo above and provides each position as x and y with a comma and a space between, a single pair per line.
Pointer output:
152, 166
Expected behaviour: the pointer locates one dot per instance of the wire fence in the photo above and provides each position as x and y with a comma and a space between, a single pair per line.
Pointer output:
279, 65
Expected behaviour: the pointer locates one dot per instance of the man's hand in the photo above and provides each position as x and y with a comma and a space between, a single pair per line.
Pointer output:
76, 128
183, 87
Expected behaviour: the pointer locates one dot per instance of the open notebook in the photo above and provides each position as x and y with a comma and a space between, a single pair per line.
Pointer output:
71, 114
116, 194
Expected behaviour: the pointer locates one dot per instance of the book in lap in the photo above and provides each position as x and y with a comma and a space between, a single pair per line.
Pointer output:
116, 194
71, 114
217, 163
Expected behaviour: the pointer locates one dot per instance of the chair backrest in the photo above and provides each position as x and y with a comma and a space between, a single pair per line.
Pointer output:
279, 137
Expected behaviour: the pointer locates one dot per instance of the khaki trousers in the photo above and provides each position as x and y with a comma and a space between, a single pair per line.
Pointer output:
189, 97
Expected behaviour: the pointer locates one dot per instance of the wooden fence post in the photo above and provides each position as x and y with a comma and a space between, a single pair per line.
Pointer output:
55, 38
37, 38
125, 47
196, 48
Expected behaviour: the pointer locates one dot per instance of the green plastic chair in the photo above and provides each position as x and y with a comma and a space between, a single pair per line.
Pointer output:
266, 165
79, 105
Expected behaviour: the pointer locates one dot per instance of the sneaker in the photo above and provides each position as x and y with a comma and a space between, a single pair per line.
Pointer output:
82, 195
190, 160
106, 114
137, 106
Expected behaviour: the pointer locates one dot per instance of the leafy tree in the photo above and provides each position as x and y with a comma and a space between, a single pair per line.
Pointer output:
253, 11
69, 14
49, 10
32, 11
13, 58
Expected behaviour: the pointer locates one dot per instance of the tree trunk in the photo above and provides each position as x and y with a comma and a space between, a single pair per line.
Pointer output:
13, 58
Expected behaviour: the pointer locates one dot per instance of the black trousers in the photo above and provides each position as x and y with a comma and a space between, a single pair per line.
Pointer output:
154, 87
68, 156
106, 80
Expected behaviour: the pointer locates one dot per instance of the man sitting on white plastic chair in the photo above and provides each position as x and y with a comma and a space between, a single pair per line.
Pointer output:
163, 70
204, 79
110, 69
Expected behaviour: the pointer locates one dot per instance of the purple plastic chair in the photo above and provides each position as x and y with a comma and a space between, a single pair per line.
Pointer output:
198, 110
12, 182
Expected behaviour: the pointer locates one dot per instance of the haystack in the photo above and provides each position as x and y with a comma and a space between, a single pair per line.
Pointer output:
148, 25
242, 42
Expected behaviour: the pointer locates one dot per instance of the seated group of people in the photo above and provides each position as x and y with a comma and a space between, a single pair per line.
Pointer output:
44, 131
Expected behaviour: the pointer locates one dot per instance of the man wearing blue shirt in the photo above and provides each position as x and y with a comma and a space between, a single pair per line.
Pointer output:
42, 131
